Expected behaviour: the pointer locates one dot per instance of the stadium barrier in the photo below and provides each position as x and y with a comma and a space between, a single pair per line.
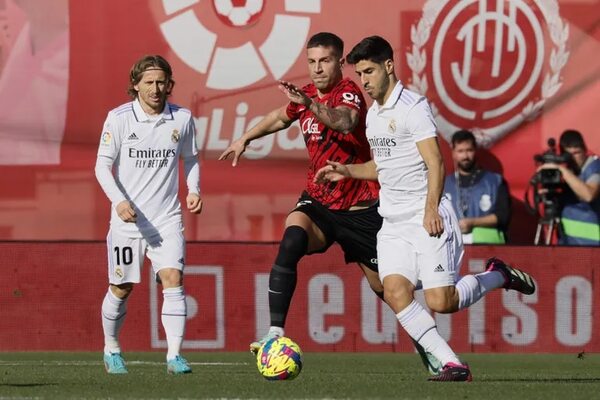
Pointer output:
51, 294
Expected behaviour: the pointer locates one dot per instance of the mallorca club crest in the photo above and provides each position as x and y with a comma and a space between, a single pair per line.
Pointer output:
487, 65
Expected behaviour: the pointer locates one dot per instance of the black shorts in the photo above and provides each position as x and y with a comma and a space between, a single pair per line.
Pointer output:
356, 231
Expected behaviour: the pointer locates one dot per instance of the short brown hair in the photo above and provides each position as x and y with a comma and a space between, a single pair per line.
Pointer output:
145, 63
327, 39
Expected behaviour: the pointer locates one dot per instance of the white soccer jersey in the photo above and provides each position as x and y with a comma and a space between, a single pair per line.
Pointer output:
393, 131
143, 154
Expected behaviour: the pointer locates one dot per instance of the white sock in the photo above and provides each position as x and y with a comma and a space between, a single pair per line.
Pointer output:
421, 327
471, 288
276, 330
174, 311
113, 316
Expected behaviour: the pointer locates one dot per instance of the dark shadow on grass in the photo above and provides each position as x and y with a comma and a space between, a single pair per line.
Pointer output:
28, 384
544, 380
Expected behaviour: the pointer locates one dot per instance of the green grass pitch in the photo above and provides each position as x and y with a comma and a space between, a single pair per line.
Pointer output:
324, 376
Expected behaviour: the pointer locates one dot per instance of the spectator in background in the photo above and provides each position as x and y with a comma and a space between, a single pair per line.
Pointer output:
580, 215
479, 197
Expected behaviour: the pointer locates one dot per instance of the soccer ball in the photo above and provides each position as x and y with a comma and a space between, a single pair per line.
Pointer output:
238, 13
279, 358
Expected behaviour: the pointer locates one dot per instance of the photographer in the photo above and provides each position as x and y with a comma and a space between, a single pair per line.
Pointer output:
479, 197
580, 214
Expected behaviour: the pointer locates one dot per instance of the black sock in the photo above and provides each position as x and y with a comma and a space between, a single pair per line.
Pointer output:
282, 284
283, 277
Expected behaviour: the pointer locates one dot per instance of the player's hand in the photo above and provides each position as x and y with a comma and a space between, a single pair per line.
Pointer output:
126, 212
294, 93
432, 222
332, 172
237, 148
194, 203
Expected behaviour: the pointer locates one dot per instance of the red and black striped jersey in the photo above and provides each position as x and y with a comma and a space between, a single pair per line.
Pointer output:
324, 144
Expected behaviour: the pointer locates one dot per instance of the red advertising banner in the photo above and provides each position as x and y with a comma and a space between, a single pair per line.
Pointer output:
53, 296
515, 72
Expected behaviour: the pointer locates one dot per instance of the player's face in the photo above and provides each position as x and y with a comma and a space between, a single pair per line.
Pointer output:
463, 154
153, 90
375, 78
324, 67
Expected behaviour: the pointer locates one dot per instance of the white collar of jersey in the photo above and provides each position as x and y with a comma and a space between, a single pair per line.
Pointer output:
394, 97
141, 116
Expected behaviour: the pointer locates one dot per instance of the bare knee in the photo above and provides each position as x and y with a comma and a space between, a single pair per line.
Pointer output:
442, 300
398, 292
122, 291
170, 277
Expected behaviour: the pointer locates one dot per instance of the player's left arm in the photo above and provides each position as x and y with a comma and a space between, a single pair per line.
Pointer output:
341, 118
421, 125
191, 168
432, 156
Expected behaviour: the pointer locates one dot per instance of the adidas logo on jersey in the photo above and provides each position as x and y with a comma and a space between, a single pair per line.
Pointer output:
181, 261
133, 136
439, 268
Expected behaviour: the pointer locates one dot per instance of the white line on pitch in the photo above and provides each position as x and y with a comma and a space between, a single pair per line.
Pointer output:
79, 363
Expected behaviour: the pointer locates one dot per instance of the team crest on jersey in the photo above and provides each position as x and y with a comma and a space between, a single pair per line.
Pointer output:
175, 136
392, 126
106, 138
119, 272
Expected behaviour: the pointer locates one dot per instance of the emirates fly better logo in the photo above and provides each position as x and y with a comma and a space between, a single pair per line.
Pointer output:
234, 67
487, 65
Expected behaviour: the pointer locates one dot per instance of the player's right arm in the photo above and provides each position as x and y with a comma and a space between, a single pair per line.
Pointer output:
108, 151
274, 121
343, 118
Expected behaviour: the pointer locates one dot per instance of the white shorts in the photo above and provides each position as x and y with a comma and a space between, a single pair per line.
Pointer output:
404, 247
126, 255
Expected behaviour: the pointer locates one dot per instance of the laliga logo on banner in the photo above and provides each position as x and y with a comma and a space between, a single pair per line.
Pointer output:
237, 67
486, 62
